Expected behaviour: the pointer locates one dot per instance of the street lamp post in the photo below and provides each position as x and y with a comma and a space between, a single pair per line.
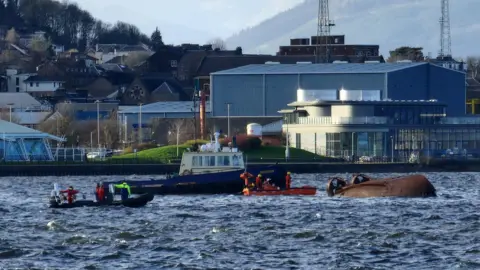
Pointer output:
98, 123
391, 141
353, 147
228, 118
10, 110
140, 137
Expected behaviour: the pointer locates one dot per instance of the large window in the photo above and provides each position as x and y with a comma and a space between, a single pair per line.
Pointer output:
411, 114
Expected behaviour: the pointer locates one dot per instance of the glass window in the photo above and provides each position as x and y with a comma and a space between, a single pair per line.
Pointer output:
196, 161
223, 161
236, 161
209, 161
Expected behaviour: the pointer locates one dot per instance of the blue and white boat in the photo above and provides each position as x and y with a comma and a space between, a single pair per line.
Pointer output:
209, 170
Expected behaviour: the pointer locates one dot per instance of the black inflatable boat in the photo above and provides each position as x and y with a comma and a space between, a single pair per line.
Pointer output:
139, 201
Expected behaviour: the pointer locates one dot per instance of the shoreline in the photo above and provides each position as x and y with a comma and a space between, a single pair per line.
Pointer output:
92, 169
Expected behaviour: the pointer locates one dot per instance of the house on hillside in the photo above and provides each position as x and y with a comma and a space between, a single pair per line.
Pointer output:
15, 78
25, 40
154, 87
106, 52
41, 86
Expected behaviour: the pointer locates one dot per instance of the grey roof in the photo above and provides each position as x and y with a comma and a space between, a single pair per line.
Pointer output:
12, 131
318, 68
19, 100
166, 107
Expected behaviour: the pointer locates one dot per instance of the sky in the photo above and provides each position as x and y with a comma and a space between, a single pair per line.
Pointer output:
187, 21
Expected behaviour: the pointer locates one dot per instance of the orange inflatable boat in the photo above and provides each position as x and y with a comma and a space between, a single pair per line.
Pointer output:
362, 186
269, 190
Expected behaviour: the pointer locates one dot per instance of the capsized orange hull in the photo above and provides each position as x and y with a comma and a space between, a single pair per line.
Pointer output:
364, 187
296, 191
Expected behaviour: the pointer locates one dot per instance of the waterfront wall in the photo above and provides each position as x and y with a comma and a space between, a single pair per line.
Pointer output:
304, 167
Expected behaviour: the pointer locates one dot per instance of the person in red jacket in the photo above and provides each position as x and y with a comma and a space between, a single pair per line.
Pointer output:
288, 180
70, 194
100, 192
259, 182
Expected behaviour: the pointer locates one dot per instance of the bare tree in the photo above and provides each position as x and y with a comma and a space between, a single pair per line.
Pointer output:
5, 115
12, 36
6, 56
136, 58
110, 133
218, 43
58, 125
40, 44
182, 129
473, 66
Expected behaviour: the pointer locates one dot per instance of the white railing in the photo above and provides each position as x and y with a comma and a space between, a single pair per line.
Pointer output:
372, 120
461, 120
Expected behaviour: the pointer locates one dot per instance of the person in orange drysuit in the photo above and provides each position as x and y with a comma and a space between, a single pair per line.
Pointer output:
245, 176
288, 180
258, 182
100, 192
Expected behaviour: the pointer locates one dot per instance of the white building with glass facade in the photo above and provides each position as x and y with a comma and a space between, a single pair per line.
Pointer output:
355, 123
19, 143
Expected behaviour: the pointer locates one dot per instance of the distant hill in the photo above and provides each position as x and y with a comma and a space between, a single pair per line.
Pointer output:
390, 24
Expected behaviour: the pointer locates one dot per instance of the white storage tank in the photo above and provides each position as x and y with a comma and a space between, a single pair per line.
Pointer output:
254, 129
312, 95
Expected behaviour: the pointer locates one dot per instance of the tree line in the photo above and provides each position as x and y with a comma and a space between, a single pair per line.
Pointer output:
69, 25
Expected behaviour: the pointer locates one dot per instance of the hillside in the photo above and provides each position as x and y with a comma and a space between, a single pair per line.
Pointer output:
391, 24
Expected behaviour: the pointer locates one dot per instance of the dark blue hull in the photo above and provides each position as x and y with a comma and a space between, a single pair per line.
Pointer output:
210, 183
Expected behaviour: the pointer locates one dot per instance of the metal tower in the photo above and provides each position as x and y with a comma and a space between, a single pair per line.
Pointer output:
323, 30
445, 37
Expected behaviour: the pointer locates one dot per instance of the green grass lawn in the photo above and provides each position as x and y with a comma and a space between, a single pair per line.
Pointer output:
167, 153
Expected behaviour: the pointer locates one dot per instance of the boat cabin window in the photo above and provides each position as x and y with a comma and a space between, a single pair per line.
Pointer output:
223, 160
237, 161
209, 161
197, 161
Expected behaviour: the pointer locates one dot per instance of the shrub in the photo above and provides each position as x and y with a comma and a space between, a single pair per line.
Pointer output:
192, 142
244, 142
271, 141
140, 147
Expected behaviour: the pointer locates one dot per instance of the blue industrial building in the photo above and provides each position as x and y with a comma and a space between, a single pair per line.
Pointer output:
263, 90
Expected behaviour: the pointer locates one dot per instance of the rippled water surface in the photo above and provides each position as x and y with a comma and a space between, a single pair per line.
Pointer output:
235, 232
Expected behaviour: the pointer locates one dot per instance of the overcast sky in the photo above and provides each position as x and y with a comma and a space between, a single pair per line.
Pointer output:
181, 21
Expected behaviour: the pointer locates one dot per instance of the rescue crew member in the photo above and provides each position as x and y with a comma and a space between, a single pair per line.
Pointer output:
124, 190
70, 194
288, 180
100, 192
245, 176
258, 181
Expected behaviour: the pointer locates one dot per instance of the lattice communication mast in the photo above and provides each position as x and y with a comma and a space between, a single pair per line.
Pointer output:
445, 37
323, 31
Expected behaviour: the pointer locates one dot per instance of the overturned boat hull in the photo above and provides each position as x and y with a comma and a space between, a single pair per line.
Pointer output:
363, 186
139, 201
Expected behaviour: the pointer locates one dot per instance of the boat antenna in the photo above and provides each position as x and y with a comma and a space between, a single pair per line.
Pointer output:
246, 162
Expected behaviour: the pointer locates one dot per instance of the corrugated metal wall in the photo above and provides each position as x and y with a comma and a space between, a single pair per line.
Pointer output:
408, 84
264, 95
448, 86
426, 82
245, 92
